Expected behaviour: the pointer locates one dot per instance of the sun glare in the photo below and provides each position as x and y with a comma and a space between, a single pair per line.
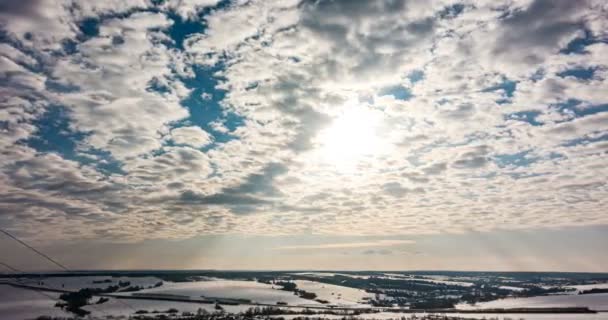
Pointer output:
352, 136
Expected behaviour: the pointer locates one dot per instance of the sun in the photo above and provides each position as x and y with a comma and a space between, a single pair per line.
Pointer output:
352, 137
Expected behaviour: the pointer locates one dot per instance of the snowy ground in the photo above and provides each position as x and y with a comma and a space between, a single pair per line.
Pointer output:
19, 303
231, 289
336, 295
597, 301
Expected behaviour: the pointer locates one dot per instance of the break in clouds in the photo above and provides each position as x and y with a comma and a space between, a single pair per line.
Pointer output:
130, 120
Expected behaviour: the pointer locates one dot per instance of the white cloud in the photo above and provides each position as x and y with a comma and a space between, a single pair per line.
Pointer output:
112, 101
188, 9
192, 136
290, 69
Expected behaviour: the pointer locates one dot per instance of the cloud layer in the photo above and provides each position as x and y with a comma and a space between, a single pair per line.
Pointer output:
133, 120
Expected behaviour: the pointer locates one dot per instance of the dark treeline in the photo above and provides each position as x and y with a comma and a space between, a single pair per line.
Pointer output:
594, 290
291, 286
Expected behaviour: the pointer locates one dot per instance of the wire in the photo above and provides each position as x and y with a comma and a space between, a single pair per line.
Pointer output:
40, 290
35, 250
55, 263
8, 267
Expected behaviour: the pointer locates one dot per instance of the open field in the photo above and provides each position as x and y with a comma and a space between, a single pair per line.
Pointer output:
322, 294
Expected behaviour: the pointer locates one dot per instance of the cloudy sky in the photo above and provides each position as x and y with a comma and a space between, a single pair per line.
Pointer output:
305, 134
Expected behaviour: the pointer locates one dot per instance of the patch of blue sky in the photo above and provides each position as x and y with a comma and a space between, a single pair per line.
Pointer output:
518, 159
54, 135
452, 11
579, 44
525, 116
507, 87
579, 73
204, 104
578, 108
88, 28
415, 76
573, 108
182, 29
398, 92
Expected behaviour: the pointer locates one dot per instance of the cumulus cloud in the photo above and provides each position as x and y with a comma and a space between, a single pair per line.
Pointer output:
192, 136
112, 100
539, 29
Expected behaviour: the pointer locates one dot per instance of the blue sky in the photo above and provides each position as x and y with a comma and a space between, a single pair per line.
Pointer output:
156, 123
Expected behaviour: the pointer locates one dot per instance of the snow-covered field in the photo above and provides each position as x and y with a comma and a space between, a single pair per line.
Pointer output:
125, 307
19, 303
231, 289
336, 295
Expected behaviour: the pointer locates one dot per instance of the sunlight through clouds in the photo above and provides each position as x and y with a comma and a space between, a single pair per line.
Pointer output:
355, 135
170, 120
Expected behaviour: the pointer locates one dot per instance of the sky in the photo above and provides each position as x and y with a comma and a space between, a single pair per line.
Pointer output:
305, 134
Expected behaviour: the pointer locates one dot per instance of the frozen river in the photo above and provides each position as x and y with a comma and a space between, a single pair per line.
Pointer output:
598, 301
19, 304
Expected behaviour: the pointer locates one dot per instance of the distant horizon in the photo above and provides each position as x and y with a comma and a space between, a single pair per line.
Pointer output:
293, 271
499, 250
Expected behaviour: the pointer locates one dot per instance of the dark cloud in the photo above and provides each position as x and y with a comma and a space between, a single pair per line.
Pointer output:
395, 189
435, 168
383, 252
221, 199
19, 8
375, 36
310, 122
260, 183
478, 157
245, 197
461, 112
529, 35
415, 177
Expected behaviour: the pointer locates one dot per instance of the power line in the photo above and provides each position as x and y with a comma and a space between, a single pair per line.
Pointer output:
35, 289
54, 262
35, 250
8, 267
40, 290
